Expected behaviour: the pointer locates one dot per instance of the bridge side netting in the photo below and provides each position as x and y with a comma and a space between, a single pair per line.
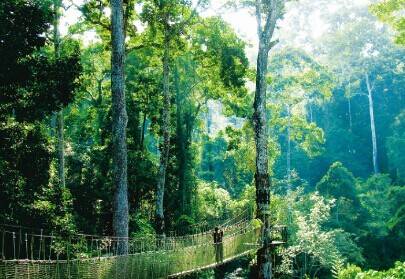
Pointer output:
160, 263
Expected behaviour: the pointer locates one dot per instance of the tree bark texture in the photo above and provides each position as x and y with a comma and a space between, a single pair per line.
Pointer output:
262, 179
372, 125
119, 124
165, 147
59, 115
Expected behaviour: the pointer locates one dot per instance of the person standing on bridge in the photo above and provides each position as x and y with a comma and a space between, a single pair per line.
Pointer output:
219, 248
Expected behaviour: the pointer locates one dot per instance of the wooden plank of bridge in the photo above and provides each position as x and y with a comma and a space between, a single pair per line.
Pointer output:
186, 272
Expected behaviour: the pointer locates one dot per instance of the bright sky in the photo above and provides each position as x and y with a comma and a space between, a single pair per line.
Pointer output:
70, 16
245, 25
242, 21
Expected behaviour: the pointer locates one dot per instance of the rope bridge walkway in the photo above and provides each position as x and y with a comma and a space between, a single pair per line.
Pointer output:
34, 255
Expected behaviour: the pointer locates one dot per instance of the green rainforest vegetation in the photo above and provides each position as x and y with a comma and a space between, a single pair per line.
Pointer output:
133, 118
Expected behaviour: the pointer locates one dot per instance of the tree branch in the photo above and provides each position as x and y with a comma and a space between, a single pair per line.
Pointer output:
177, 30
270, 23
259, 18
156, 45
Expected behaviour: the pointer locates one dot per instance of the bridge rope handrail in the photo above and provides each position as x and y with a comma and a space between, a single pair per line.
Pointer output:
224, 226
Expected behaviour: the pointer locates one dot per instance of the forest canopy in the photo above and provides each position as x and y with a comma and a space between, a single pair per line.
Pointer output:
165, 118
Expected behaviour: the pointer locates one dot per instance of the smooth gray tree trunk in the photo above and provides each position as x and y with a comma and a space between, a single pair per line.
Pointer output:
165, 147
119, 124
59, 115
372, 124
349, 103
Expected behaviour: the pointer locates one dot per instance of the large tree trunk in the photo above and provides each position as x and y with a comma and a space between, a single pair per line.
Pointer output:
372, 125
262, 179
164, 155
119, 124
59, 115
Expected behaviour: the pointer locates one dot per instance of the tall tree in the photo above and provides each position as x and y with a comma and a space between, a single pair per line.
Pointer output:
370, 88
267, 13
164, 156
119, 125
170, 18
213, 68
361, 52
57, 5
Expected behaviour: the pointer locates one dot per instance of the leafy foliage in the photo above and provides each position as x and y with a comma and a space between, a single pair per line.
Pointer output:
390, 12
355, 272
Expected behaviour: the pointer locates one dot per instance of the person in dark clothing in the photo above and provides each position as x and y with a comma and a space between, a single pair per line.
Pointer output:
219, 248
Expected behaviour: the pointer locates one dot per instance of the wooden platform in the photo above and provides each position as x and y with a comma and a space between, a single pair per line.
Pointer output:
187, 272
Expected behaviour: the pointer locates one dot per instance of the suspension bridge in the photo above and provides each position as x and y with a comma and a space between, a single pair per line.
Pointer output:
36, 255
